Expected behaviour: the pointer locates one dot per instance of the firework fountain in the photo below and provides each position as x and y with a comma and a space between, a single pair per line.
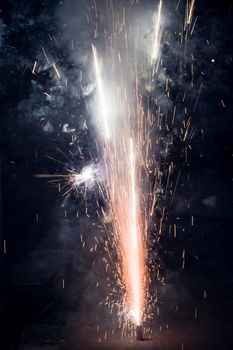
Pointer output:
124, 129
114, 91
124, 132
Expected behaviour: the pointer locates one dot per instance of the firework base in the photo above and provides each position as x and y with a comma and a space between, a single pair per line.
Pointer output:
139, 333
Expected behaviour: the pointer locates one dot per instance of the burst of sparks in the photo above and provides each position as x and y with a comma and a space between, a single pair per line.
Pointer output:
74, 179
190, 5
86, 176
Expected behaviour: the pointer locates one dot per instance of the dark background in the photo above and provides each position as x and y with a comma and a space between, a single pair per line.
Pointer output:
40, 227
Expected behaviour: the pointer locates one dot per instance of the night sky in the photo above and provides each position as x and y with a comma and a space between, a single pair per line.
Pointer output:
40, 226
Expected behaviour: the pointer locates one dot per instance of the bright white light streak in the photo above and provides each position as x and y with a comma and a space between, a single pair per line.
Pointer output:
189, 13
102, 98
157, 33
56, 70
86, 176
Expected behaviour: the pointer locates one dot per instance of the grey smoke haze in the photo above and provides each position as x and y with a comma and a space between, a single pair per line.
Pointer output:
210, 201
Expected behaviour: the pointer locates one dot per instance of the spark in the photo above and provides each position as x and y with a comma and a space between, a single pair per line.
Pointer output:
190, 6
56, 70
46, 94
34, 67
45, 54
4, 247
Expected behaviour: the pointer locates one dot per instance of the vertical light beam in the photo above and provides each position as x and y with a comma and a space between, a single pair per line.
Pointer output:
157, 33
102, 112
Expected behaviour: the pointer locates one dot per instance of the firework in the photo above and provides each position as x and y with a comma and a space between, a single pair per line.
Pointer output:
128, 121
119, 154
126, 147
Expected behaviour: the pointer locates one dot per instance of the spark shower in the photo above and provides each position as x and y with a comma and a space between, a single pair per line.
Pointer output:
124, 129
126, 69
